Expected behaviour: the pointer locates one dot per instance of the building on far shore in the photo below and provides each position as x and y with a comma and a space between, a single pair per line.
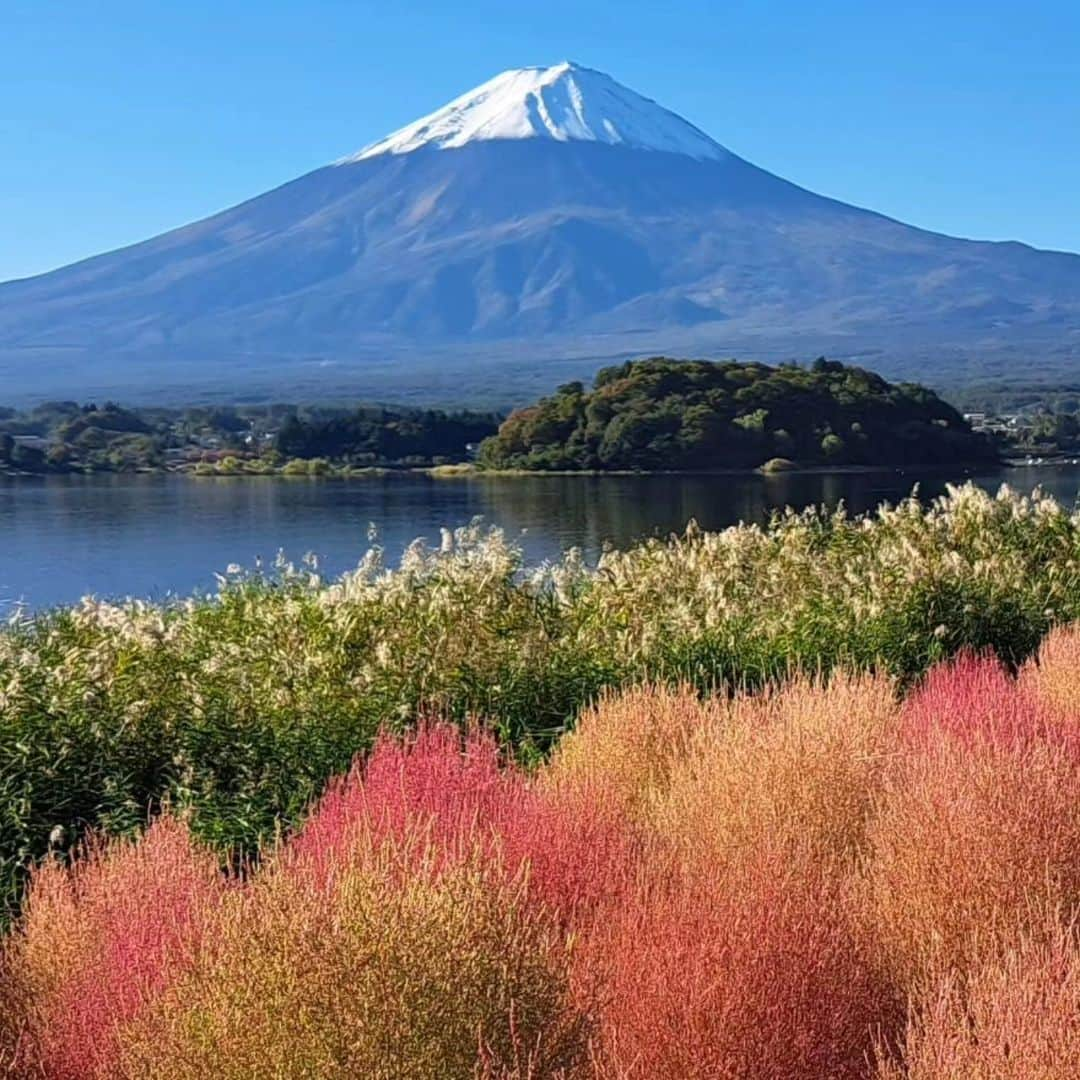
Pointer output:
32, 442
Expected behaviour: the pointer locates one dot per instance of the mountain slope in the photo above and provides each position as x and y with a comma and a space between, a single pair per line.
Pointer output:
549, 216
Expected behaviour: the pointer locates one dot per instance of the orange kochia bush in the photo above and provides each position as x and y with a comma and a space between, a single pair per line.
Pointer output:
818, 880
977, 827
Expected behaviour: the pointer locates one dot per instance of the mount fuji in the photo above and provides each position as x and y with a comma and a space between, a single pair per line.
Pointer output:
541, 224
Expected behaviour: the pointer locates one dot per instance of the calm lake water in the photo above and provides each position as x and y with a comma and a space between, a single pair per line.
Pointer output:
113, 536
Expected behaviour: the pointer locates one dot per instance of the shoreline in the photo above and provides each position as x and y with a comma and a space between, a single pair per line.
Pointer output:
798, 470
470, 471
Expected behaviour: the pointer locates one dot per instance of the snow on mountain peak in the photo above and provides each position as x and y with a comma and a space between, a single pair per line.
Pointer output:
565, 103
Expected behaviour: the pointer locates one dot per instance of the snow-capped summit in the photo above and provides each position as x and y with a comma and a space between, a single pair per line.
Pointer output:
566, 103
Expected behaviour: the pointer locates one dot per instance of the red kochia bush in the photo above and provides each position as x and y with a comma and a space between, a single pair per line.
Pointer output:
435, 781
441, 797
101, 939
755, 975
577, 850
974, 700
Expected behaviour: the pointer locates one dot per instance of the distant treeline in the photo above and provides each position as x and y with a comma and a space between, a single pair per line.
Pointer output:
696, 415
1018, 396
657, 414
69, 436
385, 436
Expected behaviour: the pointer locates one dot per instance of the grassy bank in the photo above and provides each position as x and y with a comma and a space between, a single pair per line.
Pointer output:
236, 707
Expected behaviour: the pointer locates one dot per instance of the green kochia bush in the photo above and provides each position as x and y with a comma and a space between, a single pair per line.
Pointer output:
236, 707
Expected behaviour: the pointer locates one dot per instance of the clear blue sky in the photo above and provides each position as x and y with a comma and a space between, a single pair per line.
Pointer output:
122, 118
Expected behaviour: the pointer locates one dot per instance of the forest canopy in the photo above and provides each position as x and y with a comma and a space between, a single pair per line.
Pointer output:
379, 436
663, 414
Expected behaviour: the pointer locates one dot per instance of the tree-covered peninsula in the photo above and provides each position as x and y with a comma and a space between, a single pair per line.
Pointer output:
662, 414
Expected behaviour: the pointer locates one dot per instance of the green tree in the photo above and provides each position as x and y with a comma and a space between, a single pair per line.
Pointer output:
832, 446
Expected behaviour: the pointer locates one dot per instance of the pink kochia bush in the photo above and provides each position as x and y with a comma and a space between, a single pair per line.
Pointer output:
819, 881
1017, 1018
99, 941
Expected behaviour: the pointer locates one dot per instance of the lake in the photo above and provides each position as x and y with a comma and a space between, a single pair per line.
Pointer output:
116, 535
